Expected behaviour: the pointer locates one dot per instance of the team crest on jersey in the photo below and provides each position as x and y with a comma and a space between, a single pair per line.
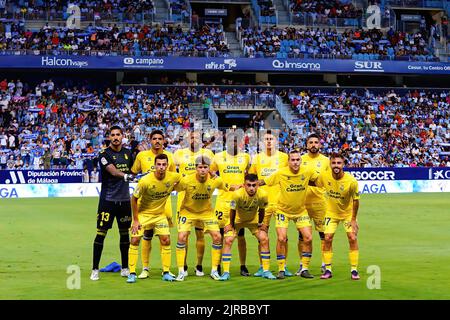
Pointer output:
289, 178
329, 184
208, 188
240, 160
305, 162
114, 157
126, 156
318, 164
341, 187
302, 177
104, 161
153, 186
168, 185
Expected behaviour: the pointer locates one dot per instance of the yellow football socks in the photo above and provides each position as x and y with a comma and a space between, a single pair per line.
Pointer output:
265, 258
145, 252
306, 258
354, 258
226, 261
133, 254
166, 257
216, 252
281, 261
327, 258
181, 254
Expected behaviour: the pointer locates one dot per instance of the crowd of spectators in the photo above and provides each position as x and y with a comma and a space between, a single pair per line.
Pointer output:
358, 44
314, 12
48, 126
209, 40
377, 129
133, 10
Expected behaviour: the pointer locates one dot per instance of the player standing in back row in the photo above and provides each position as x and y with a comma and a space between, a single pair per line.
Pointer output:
115, 162
232, 165
145, 163
315, 197
263, 165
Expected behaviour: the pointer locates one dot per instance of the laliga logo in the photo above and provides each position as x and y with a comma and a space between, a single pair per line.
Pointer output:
368, 66
277, 64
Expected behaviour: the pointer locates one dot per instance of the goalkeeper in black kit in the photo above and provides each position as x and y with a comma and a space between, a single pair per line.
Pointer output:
115, 162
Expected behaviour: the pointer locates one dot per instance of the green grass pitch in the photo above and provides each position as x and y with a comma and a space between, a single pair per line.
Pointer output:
405, 235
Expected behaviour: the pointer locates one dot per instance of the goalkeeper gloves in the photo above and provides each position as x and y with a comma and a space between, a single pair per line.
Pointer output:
129, 177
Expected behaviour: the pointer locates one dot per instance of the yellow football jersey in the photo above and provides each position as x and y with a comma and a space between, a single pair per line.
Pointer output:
145, 162
153, 193
293, 188
197, 198
247, 207
231, 170
320, 164
264, 166
339, 193
185, 159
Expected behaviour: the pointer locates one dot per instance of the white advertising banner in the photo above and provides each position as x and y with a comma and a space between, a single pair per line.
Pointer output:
62, 190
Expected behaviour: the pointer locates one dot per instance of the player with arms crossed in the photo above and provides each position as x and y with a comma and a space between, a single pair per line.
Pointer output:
263, 165
247, 208
315, 197
185, 162
293, 181
148, 203
115, 162
196, 209
232, 166
342, 194
144, 164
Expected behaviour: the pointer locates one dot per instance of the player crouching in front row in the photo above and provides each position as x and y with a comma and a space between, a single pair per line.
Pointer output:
148, 204
196, 208
247, 210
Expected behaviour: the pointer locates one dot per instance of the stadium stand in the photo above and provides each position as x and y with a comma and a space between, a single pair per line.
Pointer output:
130, 40
119, 10
355, 44
325, 12
52, 127
378, 128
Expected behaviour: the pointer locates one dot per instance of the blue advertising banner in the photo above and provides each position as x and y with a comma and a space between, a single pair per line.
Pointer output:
224, 64
361, 174
384, 174
40, 176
